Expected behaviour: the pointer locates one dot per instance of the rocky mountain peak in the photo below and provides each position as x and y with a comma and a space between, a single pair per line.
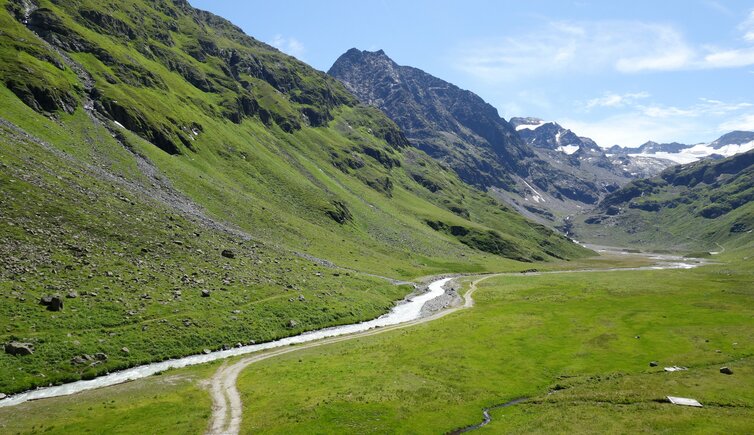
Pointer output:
449, 123
737, 137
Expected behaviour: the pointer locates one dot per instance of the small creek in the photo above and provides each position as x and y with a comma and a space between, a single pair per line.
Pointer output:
409, 309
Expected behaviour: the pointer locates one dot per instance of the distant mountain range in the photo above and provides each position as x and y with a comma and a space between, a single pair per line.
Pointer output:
728, 145
694, 206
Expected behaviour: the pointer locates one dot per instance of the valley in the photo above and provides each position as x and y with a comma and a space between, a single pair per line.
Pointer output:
202, 232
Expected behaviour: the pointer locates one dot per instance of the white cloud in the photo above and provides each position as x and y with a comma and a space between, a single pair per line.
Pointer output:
705, 107
717, 6
593, 46
729, 58
638, 122
610, 99
747, 27
289, 45
743, 122
633, 129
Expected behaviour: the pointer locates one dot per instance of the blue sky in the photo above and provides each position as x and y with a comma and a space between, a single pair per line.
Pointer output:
618, 71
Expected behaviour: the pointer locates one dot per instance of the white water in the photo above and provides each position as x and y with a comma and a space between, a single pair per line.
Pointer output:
404, 312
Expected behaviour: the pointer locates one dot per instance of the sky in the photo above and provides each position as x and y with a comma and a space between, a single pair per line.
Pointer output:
620, 72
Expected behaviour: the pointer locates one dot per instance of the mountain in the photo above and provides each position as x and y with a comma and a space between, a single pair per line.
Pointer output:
727, 145
550, 135
697, 206
175, 185
463, 132
450, 124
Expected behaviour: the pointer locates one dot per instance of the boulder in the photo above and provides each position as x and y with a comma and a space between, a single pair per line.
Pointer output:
19, 349
292, 323
80, 360
72, 295
53, 303
2, 396
726, 370
125, 350
653, 364
227, 253
207, 351
56, 304
205, 293
100, 356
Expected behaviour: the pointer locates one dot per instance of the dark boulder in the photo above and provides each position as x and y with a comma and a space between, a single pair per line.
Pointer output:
227, 253
726, 370
16, 348
53, 303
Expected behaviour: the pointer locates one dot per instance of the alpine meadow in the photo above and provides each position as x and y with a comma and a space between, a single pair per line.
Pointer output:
205, 232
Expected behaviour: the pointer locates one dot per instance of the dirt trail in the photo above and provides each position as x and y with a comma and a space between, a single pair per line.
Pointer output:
227, 409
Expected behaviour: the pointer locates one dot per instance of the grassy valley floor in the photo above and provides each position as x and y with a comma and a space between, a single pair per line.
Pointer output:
587, 336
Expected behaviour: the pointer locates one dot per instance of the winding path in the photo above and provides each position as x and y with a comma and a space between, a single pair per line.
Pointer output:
227, 409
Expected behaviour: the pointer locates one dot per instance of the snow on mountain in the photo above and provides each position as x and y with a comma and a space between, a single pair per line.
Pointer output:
568, 149
693, 153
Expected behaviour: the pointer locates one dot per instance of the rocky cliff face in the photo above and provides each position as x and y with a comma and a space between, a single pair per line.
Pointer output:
460, 129
450, 124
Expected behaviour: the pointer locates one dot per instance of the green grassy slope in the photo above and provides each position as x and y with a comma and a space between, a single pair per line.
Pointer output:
221, 142
703, 206
527, 336
566, 342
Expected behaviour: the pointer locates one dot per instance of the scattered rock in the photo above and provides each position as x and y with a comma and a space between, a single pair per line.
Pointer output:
100, 356
292, 323
726, 370
205, 293
53, 303
301, 298
653, 364
72, 295
227, 253
81, 360
19, 349
239, 345
226, 347
186, 323
125, 350
638, 336
2, 396
207, 351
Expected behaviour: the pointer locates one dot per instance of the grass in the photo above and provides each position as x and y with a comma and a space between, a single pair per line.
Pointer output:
166, 403
697, 207
80, 213
528, 336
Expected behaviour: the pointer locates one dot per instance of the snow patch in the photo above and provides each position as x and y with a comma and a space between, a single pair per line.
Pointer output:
699, 151
529, 126
537, 197
568, 149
